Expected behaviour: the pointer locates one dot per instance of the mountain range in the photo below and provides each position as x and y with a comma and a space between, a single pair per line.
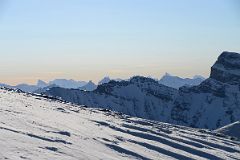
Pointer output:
167, 79
177, 82
191, 106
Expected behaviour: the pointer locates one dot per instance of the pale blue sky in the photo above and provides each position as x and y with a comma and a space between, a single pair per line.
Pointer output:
88, 39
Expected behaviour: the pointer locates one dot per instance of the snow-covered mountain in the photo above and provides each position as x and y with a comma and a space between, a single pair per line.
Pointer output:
23, 87
38, 127
65, 83
137, 97
44, 89
90, 86
167, 80
177, 82
104, 80
4, 85
189, 106
41, 84
108, 79
26, 87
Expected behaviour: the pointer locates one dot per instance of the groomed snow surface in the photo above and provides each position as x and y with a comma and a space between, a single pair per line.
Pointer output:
33, 127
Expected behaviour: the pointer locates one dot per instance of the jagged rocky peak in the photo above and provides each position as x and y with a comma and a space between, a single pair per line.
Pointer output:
227, 68
108, 87
212, 86
136, 80
141, 79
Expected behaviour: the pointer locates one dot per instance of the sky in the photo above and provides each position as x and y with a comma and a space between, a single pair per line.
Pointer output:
90, 39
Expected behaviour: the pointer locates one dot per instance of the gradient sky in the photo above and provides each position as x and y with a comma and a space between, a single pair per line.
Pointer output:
89, 39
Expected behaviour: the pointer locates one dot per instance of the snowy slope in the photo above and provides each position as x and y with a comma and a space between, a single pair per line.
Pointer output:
177, 82
34, 127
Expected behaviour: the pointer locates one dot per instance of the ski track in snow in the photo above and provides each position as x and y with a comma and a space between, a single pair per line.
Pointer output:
34, 127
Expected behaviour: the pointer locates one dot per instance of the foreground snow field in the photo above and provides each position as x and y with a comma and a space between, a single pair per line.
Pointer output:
34, 127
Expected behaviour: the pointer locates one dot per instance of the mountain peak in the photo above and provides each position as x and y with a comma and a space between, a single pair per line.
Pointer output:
227, 68
90, 82
41, 83
68, 83
104, 80
177, 82
167, 75
90, 86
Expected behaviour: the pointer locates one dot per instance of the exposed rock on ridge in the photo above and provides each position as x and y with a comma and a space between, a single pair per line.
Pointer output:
227, 68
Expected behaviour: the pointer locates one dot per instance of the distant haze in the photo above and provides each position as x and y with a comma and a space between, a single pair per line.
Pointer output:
90, 39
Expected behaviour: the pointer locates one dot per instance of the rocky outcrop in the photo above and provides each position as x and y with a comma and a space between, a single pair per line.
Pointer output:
227, 68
